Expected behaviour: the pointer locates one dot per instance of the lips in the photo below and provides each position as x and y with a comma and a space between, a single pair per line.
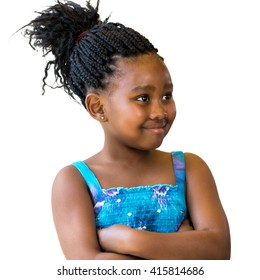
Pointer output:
155, 127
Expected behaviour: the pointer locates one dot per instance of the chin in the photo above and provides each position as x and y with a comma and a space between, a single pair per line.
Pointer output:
150, 147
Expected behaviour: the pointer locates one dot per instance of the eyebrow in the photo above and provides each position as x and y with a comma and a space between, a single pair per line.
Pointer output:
150, 87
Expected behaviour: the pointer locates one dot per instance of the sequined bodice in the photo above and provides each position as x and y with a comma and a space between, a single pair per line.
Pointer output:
158, 208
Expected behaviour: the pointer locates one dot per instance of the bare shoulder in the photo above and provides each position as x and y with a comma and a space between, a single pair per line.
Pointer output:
68, 182
193, 159
70, 191
66, 176
196, 167
199, 178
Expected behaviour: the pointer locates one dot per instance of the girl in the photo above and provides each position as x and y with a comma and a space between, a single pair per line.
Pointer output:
130, 200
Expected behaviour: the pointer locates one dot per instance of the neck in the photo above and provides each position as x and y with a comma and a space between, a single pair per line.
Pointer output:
119, 153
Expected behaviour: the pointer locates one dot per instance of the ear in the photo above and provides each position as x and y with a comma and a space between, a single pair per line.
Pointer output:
94, 105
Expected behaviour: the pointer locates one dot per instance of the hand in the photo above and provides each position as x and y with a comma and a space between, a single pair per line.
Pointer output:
185, 226
115, 238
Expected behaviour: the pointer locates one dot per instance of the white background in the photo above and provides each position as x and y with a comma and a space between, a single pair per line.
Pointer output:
212, 49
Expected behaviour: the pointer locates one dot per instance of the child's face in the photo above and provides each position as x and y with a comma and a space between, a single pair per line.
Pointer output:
140, 109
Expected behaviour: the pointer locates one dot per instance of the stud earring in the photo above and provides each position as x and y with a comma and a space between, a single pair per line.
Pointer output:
102, 118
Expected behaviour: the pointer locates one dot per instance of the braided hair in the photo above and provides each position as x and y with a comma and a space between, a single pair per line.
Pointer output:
83, 46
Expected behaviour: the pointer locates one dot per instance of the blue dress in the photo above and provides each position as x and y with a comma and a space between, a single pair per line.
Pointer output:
158, 208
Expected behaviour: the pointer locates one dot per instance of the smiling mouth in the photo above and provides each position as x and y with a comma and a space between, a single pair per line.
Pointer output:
157, 128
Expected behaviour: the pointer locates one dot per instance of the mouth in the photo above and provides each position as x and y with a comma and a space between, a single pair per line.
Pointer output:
156, 127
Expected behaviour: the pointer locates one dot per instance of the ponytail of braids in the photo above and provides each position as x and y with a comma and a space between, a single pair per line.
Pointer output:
83, 46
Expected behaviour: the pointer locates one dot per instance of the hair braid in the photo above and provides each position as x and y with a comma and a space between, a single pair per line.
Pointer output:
82, 60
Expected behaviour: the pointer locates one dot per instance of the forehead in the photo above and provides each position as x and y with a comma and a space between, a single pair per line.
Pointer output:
142, 69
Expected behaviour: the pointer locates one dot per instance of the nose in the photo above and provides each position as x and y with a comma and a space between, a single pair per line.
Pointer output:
157, 111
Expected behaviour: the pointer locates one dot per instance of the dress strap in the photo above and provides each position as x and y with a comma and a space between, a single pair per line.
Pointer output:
91, 180
179, 167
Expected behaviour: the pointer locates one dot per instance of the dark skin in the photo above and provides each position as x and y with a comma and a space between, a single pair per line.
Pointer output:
136, 112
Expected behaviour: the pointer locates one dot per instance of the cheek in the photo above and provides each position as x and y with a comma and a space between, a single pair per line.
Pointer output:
127, 112
131, 118
121, 117
172, 112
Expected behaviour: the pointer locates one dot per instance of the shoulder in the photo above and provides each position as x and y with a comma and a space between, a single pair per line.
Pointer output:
68, 175
194, 162
198, 174
192, 157
68, 185
190, 160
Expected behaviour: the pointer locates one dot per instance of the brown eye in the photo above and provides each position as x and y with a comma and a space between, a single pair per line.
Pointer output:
143, 98
167, 97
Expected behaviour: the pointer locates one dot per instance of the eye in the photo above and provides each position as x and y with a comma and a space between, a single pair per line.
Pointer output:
143, 98
167, 97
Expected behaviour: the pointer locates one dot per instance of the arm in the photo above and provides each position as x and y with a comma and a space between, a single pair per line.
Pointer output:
74, 218
210, 238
